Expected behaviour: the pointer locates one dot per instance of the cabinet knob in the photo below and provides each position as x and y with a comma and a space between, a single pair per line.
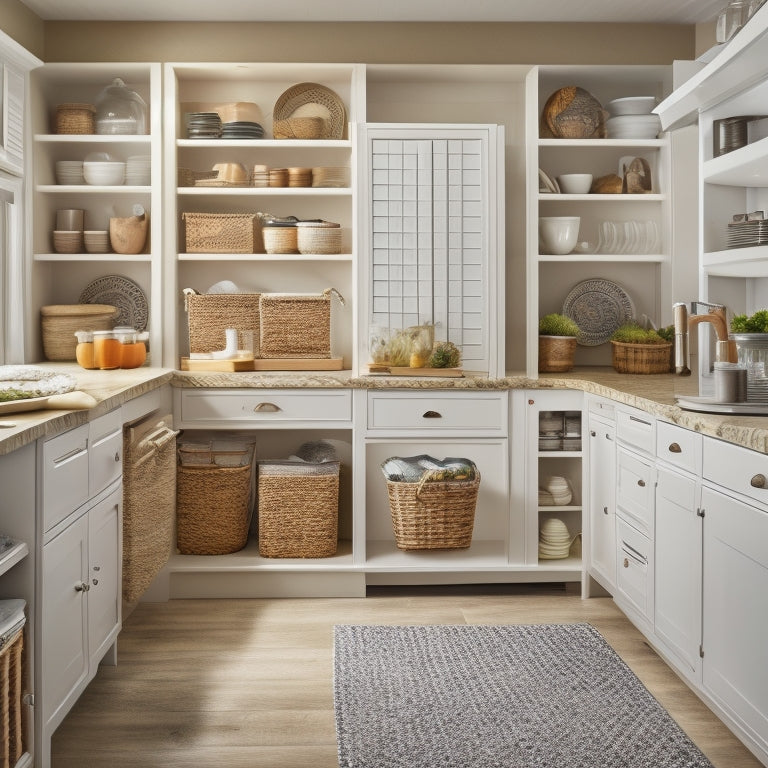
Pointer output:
531, 402
758, 481
117, 456
82, 587
675, 448
626, 563
605, 510
592, 433
641, 483
95, 582
266, 408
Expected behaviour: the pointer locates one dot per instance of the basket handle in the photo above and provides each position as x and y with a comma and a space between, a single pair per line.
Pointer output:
425, 478
334, 292
189, 292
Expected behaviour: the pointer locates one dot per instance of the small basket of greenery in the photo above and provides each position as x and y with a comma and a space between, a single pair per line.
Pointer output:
557, 343
640, 350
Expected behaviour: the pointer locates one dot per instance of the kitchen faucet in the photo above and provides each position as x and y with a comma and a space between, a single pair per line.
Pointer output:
701, 312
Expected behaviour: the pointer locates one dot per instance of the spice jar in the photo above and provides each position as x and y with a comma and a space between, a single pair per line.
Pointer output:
133, 351
106, 350
84, 350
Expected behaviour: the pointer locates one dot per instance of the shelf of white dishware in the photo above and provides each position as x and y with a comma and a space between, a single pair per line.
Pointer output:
737, 262
94, 257
92, 138
266, 191
607, 258
14, 555
651, 197
324, 257
482, 555
743, 167
267, 143
92, 189
602, 143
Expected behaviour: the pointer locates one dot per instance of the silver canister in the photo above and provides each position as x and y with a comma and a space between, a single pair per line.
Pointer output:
730, 383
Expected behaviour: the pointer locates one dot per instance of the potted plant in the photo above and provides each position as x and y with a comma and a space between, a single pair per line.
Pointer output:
640, 350
557, 343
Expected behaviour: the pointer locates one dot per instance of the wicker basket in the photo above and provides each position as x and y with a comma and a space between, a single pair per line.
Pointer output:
298, 509
280, 239
210, 314
11, 683
641, 358
188, 178
75, 118
60, 321
300, 128
556, 353
433, 514
223, 233
296, 325
319, 239
213, 509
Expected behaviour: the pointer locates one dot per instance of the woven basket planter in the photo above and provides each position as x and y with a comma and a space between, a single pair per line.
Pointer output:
298, 509
433, 514
210, 314
60, 321
641, 358
212, 509
556, 353
222, 233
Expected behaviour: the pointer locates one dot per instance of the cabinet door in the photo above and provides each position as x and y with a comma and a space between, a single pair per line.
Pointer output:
104, 558
677, 605
63, 614
602, 500
634, 490
735, 609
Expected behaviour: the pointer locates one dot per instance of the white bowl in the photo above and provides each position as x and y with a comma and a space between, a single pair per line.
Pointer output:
575, 183
632, 105
104, 174
558, 234
633, 127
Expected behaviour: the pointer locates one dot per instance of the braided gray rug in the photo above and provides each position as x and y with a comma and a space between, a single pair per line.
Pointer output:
531, 696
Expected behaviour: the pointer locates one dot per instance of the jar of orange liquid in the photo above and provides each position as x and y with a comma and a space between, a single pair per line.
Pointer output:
133, 350
84, 350
106, 350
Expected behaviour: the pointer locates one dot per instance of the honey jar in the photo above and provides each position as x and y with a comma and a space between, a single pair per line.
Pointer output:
106, 350
133, 350
84, 350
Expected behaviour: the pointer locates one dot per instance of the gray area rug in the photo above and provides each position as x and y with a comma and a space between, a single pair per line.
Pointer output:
530, 696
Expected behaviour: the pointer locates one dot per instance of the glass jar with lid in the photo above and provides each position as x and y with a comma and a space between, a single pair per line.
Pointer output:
119, 110
731, 19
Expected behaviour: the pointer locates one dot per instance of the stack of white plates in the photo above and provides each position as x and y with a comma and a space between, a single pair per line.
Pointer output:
137, 171
631, 118
743, 234
69, 172
554, 539
559, 488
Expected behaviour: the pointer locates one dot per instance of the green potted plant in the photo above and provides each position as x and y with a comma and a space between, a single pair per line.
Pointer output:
640, 350
557, 343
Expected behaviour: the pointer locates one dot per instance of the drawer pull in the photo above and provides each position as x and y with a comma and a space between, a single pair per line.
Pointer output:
117, 456
605, 510
641, 483
266, 408
758, 481
82, 587
70, 455
608, 436
626, 563
640, 421
431, 415
675, 448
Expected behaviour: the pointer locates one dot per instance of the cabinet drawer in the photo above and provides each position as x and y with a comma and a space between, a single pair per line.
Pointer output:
65, 474
636, 429
603, 407
634, 573
247, 406
679, 447
105, 451
736, 468
634, 490
479, 412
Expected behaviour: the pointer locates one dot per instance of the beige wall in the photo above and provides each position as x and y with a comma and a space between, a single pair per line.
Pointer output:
357, 42
17, 21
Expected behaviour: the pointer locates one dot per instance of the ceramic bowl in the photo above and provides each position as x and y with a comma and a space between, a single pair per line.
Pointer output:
558, 234
575, 183
67, 241
104, 174
96, 241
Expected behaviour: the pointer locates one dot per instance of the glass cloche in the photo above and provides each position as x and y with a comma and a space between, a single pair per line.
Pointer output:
120, 110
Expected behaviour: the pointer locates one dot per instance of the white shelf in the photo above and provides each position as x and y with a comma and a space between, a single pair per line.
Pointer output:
617, 143
560, 454
14, 555
91, 189
737, 262
95, 257
91, 138
278, 257
323, 144
384, 555
607, 258
595, 198
265, 191
564, 508
744, 167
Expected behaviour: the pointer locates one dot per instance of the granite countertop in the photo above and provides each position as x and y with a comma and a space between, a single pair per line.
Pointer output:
654, 394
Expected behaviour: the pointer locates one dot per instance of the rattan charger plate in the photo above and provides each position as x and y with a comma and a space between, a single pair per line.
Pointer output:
313, 100
124, 294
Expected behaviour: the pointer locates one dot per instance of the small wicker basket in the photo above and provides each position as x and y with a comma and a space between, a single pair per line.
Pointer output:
223, 233
300, 128
210, 314
75, 119
433, 514
60, 321
298, 509
641, 358
280, 239
322, 239
11, 684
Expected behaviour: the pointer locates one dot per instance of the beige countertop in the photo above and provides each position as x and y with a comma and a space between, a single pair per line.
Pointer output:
654, 394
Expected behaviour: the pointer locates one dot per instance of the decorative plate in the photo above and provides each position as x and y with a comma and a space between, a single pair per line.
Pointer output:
598, 307
313, 100
120, 292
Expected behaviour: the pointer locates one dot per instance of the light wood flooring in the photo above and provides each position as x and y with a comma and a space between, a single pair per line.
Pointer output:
247, 683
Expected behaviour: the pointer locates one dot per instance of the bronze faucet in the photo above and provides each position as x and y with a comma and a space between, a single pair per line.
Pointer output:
701, 312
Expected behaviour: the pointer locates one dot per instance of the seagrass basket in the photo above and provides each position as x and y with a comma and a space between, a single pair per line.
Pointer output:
298, 505
75, 119
280, 239
189, 178
11, 727
222, 233
300, 128
556, 353
322, 238
60, 321
433, 514
641, 358
210, 314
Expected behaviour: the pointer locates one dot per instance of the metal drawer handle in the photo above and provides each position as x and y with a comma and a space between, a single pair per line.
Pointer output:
266, 408
641, 483
626, 563
117, 456
758, 481
431, 415
675, 448
640, 421
70, 455
605, 510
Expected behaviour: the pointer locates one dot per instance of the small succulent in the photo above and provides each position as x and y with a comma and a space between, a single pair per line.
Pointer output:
667, 332
557, 325
445, 354
632, 333
757, 323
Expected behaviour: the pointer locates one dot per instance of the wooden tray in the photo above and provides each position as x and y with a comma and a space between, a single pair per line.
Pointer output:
299, 364
393, 370
222, 366
26, 404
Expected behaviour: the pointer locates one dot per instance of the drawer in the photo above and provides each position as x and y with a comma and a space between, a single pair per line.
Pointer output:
482, 413
634, 490
679, 447
636, 428
251, 407
65, 475
634, 572
605, 408
105, 451
736, 469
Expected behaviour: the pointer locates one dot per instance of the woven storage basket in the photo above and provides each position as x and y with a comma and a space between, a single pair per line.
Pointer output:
641, 358
222, 233
11, 726
433, 514
321, 239
60, 321
295, 325
210, 314
212, 509
556, 353
298, 509
75, 118
300, 128
188, 178
280, 239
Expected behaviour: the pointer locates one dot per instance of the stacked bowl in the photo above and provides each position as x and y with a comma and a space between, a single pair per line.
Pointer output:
631, 118
137, 171
554, 539
69, 172
103, 170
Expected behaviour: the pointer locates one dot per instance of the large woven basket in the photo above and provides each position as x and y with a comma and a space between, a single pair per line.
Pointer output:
298, 509
222, 233
210, 314
60, 321
641, 358
296, 325
212, 509
75, 119
11, 684
433, 514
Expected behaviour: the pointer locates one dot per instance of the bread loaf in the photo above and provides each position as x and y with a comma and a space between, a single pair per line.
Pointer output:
607, 185
573, 113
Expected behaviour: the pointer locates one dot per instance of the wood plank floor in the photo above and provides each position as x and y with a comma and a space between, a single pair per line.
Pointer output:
247, 683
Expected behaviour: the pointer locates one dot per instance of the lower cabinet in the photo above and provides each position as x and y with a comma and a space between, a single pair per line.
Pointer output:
602, 500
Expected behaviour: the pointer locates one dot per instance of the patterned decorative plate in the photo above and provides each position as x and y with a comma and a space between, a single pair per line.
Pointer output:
123, 293
598, 307
313, 100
